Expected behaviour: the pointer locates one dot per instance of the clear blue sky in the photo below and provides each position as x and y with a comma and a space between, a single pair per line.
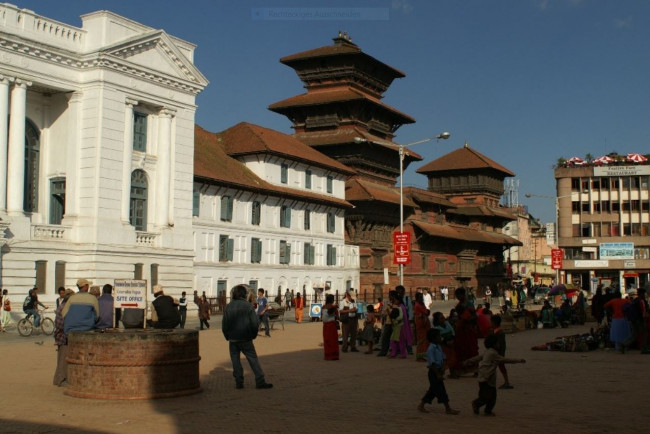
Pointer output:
522, 81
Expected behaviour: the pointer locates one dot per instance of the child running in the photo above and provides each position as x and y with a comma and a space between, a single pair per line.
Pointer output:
436, 366
487, 374
501, 341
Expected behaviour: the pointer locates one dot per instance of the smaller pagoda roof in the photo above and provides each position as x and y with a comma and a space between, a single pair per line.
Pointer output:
484, 211
426, 196
245, 138
360, 190
464, 158
342, 46
464, 233
331, 96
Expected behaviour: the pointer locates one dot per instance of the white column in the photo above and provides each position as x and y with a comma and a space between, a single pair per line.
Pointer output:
127, 159
16, 152
163, 168
73, 156
4, 130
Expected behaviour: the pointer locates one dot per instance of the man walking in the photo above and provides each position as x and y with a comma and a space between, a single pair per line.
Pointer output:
239, 326
182, 308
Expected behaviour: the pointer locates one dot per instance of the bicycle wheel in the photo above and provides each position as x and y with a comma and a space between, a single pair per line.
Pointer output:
47, 325
25, 327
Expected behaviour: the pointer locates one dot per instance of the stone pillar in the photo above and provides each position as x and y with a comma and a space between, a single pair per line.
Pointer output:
127, 159
73, 156
4, 130
163, 175
16, 152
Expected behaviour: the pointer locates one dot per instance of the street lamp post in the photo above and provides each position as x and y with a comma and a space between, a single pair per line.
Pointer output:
442, 136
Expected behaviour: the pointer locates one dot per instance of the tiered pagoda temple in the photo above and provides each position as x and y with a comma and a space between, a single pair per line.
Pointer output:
342, 115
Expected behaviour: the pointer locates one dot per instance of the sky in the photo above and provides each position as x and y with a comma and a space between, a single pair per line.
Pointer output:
524, 82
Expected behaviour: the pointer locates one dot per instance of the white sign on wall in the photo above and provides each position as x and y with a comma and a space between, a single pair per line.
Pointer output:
130, 293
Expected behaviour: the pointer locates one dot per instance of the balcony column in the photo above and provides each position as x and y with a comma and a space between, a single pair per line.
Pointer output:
163, 175
16, 151
4, 130
127, 159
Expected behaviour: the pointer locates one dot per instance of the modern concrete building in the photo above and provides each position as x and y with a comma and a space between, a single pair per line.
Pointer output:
96, 152
604, 223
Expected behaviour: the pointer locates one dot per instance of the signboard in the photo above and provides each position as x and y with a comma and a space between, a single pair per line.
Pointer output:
130, 293
401, 247
616, 251
580, 263
550, 234
629, 264
315, 310
556, 259
621, 170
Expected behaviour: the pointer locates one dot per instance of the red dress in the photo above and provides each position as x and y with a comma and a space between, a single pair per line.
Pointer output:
466, 341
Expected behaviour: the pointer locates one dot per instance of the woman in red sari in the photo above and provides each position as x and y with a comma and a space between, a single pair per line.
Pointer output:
422, 326
466, 340
330, 317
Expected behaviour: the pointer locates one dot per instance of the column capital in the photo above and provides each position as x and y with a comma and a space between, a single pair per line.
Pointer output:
6, 79
75, 96
19, 82
131, 101
167, 112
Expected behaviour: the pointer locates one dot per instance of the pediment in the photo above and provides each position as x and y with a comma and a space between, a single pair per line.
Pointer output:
158, 52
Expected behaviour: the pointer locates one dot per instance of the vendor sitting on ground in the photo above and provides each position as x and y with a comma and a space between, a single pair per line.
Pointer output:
547, 315
165, 314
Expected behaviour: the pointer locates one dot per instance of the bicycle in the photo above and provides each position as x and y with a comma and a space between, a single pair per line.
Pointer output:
26, 327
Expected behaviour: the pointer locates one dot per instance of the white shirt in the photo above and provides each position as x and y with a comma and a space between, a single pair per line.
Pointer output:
427, 300
345, 304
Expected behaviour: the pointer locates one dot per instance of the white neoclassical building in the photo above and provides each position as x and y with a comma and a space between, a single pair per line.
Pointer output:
96, 152
269, 212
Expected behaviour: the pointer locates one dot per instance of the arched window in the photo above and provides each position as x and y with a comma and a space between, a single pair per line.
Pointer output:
32, 148
138, 212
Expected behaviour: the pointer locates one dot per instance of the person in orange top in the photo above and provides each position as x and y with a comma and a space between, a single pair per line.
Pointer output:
620, 329
299, 304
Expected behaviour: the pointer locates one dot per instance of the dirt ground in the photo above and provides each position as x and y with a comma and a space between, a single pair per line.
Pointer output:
594, 392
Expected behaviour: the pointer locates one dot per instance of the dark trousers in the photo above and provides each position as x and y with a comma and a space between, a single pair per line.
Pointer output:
248, 349
264, 319
349, 329
386, 331
203, 322
183, 314
487, 396
638, 328
118, 316
436, 389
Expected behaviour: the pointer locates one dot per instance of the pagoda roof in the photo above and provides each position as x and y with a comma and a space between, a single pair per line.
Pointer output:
463, 159
348, 135
357, 189
245, 138
341, 47
425, 196
330, 96
482, 210
464, 233
212, 163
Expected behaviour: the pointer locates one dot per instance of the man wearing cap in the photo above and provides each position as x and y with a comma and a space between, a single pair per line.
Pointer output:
81, 311
349, 326
165, 314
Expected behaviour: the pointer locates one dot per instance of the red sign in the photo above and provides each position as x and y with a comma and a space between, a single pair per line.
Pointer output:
401, 247
556, 259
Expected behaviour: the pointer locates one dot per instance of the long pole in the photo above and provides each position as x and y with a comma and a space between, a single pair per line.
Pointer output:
401, 205
557, 236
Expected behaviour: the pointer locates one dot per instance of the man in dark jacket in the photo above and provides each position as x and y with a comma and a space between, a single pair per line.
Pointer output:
239, 325
165, 313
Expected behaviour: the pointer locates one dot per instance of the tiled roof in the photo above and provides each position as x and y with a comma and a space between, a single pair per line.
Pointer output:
338, 49
357, 189
482, 210
464, 233
333, 96
347, 135
245, 138
214, 165
425, 196
462, 159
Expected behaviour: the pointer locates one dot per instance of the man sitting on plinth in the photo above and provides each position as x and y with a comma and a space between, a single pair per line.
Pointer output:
165, 314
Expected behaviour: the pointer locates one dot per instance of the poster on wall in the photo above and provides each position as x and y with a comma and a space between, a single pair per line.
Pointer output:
616, 251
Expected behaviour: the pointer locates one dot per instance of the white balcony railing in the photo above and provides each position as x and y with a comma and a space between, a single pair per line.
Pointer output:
145, 238
50, 232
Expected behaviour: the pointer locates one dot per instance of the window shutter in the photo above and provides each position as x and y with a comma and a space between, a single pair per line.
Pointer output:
287, 256
223, 241
224, 208
331, 222
283, 246
231, 249
307, 220
256, 213
312, 255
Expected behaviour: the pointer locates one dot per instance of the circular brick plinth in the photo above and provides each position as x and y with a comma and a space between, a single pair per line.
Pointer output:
133, 364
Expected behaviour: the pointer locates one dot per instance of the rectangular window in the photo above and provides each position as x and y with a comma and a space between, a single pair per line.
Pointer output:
307, 225
586, 230
331, 255
308, 179
284, 173
575, 184
137, 271
154, 276
330, 182
285, 217
616, 206
596, 207
57, 200
226, 248
606, 229
226, 209
605, 206
256, 250
59, 274
196, 203
575, 230
595, 230
635, 205
615, 229
256, 213
331, 222
377, 261
585, 207
595, 184
41, 276
575, 207
616, 183
139, 132
253, 284
440, 266
309, 254
604, 183
285, 252
627, 230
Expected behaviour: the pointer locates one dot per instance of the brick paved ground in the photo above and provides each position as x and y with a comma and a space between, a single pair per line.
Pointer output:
594, 392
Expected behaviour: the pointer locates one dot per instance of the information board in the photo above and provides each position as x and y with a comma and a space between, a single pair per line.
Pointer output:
130, 293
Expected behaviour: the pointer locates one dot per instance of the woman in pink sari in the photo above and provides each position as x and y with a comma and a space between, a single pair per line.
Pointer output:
422, 326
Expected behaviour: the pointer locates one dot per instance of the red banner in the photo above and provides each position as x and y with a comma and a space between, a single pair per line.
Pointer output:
401, 247
556, 259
